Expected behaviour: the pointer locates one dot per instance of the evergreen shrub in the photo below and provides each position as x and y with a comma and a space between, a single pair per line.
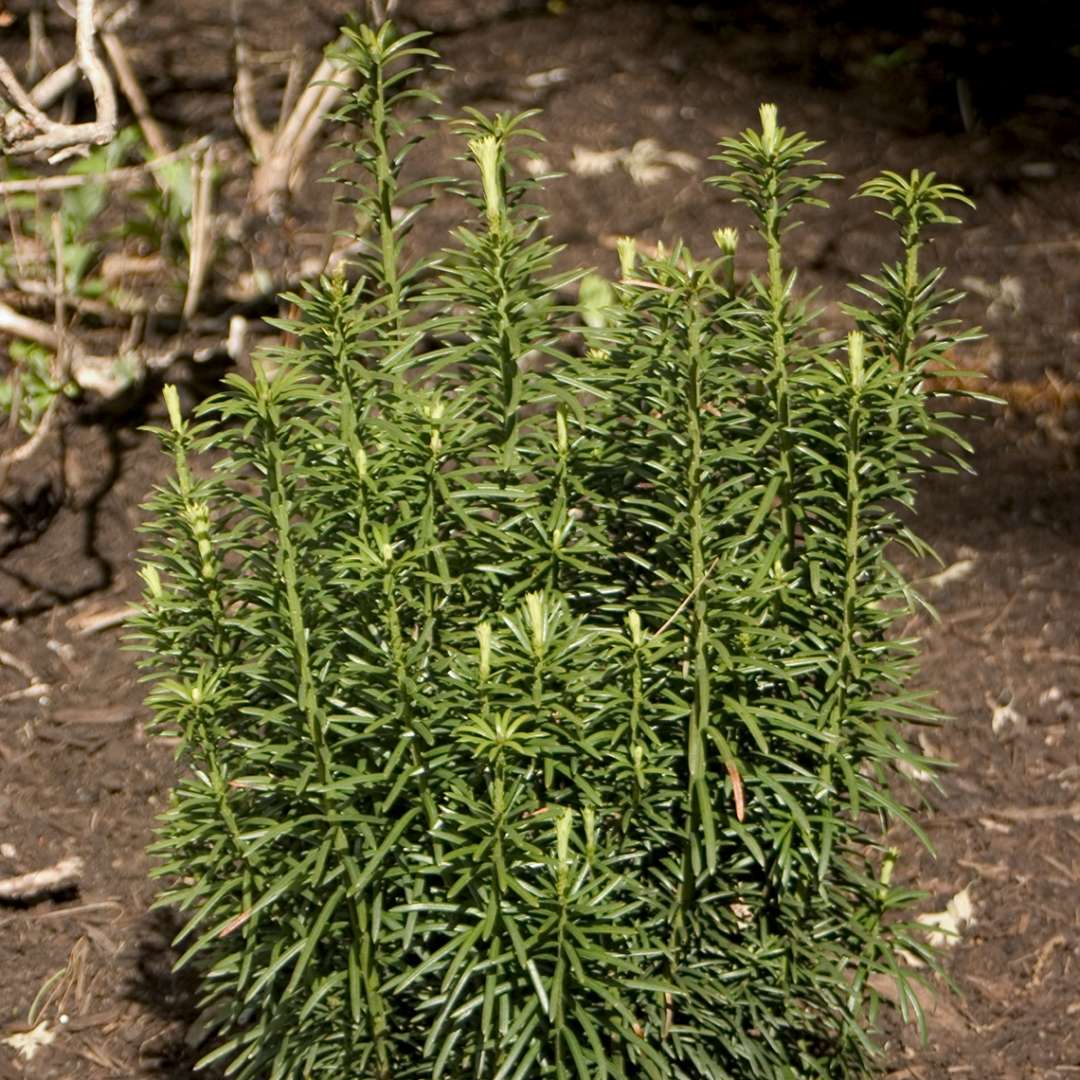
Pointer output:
537, 698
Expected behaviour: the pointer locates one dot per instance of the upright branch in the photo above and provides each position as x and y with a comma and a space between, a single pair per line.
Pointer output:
381, 65
764, 175
907, 300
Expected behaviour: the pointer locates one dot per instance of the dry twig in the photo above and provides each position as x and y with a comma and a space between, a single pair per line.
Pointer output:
22, 326
202, 241
686, 600
1036, 813
380, 10
9, 660
58, 82
129, 174
129, 84
52, 879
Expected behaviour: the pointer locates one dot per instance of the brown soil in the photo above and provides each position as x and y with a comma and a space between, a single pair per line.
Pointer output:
77, 775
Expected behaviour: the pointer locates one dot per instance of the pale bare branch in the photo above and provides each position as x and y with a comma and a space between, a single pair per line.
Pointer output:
202, 242
25, 451
276, 173
52, 879
247, 117
57, 83
381, 10
33, 132
22, 326
280, 153
129, 84
130, 174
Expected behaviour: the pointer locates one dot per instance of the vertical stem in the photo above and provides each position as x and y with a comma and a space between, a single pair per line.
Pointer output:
853, 502
847, 665
636, 749
497, 253
698, 821
557, 519
779, 376
197, 517
407, 694
406, 701
386, 190
903, 345
307, 699
506, 355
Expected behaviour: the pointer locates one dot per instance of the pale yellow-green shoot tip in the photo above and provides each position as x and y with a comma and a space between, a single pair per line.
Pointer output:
487, 153
483, 637
727, 240
856, 358
172, 406
769, 130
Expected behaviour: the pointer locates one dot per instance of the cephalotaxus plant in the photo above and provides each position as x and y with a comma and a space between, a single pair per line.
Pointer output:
539, 711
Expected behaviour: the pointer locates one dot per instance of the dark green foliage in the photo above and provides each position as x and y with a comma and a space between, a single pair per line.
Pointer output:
540, 710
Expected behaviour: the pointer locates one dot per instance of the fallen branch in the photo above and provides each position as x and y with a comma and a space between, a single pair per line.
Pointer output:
53, 879
24, 669
1035, 813
39, 292
34, 690
22, 326
125, 175
57, 83
33, 132
25, 451
88, 623
686, 600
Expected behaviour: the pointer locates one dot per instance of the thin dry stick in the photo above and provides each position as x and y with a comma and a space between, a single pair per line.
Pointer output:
15, 405
58, 289
1035, 813
292, 81
202, 243
81, 909
52, 879
687, 598
381, 10
305, 136
244, 109
22, 326
41, 58
55, 84
126, 175
26, 450
21, 666
129, 84
34, 689
101, 309
19, 97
